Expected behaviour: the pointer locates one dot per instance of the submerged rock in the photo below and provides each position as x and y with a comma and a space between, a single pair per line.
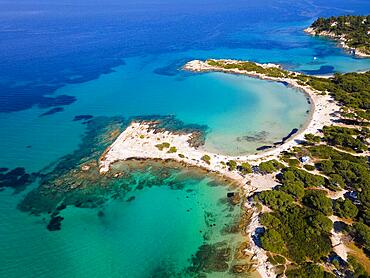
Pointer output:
52, 111
82, 117
55, 223
17, 178
211, 258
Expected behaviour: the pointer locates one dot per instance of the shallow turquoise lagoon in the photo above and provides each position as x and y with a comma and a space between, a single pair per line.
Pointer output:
232, 107
154, 235
158, 232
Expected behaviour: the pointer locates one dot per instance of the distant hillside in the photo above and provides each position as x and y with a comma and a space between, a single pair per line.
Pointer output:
352, 31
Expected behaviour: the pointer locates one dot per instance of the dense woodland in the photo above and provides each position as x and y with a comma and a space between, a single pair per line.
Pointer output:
354, 28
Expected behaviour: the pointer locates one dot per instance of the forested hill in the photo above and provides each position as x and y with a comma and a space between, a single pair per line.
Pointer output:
354, 29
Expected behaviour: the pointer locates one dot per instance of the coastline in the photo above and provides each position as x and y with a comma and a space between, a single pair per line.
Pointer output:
141, 141
342, 42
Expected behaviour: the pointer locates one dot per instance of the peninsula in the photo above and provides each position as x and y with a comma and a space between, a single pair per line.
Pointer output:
352, 32
319, 175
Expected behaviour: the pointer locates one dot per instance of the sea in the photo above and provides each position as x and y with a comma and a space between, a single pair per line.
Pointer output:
71, 69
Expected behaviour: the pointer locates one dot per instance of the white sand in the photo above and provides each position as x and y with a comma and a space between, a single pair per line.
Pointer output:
139, 141
336, 239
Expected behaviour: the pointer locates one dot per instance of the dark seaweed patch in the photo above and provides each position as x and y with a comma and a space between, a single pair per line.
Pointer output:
211, 258
82, 117
173, 68
321, 70
52, 111
17, 179
61, 100
55, 223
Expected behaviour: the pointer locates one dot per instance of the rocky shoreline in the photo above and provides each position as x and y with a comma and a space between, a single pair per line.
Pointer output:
342, 41
144, 141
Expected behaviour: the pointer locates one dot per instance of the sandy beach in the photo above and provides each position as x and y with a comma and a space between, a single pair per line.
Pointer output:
140, 140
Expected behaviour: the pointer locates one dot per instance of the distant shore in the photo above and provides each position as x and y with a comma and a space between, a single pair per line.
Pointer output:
342, 41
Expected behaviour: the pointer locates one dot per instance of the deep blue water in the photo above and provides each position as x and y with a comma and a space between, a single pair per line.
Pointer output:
60, 59
44, 45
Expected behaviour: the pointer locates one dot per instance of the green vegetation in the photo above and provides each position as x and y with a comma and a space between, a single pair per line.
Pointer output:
276, 260
317, 199
162, 146
249, 66
306, 179
276, 200
296, 189
232, 165
302, 233
347, 138
245, 168
345, 208
293, 162
350, 89
181, 155
309, 167
206, 158
354, 28
142, 136
270, 166
172, 150
298, 228
358, 269
312, 139
361, 233
309, 270
272, 241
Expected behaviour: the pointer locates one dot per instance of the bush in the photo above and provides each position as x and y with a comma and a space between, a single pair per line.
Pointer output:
272, 241
276, 200
362, 234
162, 146
305, 232
232, 165
312, 139
309, 167
296, 189
358, 269
317, 199
293, 162
245, 168
291, 175
309, 270
345, 208
270, 166
172, 150
206, 158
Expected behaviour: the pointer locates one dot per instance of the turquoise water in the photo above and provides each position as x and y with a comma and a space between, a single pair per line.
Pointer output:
144, 237
124, 59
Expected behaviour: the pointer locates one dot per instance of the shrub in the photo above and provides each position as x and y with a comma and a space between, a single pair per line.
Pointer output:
309, 167
232, 165
345, 208
270, 166
317, 199
172, 150
206, 158
245, 168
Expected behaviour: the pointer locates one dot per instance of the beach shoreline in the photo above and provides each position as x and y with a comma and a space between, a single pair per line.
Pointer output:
140, 140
